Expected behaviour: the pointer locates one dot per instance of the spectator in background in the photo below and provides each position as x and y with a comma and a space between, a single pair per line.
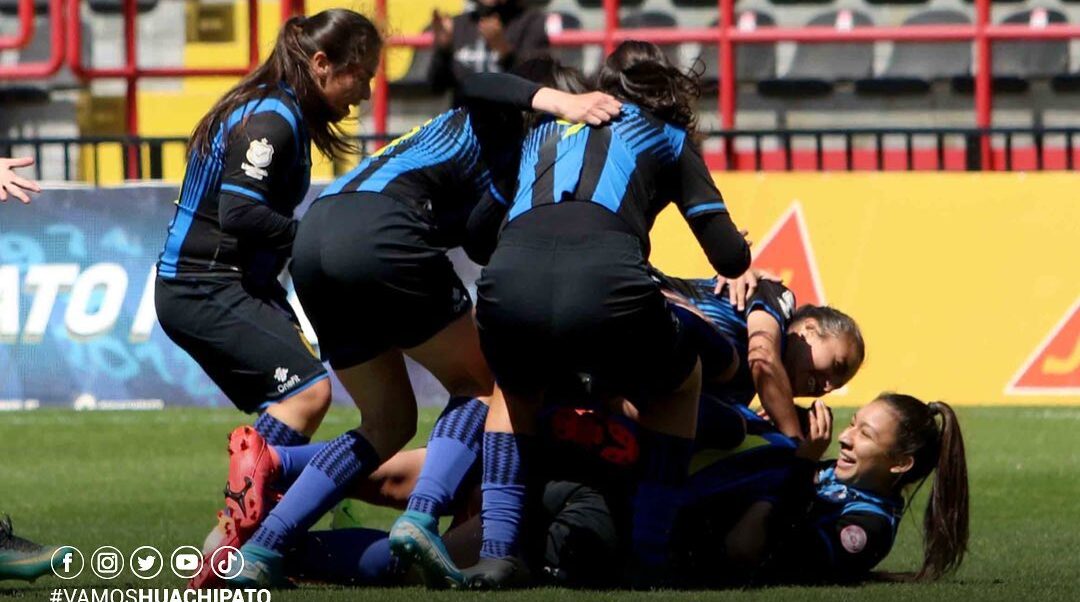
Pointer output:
496, 36
13, 184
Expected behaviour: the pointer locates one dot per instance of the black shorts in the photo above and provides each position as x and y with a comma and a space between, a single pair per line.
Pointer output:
247, 339
371, 277
567, 292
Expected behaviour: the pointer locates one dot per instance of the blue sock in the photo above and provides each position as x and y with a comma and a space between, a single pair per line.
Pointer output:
665, 460
322, 484
345, 556
451, 452
277, 432
503, 492
294, 459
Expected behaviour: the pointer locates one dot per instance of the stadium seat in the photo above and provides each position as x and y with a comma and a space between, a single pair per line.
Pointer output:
116, 7
556, 23
1015, 64
648, 19
40, 50
914, 65
11, 7
816, 67
753, 62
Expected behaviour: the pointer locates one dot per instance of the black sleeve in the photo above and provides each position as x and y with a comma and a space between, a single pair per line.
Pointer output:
259, 156
774, 298
482, 229
501, 88
701, 204
441, 71
725, 248
844, 549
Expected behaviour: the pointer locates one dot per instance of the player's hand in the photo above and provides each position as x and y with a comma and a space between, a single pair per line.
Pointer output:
742, 288
594, 108
442, 27
14, 185
819, 435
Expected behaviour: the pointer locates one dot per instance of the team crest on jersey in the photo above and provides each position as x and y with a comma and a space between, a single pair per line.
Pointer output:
259, 155
853, 538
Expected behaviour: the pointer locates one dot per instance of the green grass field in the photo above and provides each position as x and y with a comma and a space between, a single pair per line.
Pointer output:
128, 479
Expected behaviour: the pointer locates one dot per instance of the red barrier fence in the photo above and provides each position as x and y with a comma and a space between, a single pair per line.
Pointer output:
65, 18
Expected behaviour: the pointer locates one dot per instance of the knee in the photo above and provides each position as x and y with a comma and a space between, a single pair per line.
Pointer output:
314, 399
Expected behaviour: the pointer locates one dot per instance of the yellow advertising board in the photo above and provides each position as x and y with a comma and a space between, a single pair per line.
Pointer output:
966, 286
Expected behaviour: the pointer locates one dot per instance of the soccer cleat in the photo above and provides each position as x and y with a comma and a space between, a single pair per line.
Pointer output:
414, 538
263, 569
249, 497
497, 573
23, 559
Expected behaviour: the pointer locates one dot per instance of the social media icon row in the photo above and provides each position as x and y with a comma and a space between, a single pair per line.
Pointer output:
146, 562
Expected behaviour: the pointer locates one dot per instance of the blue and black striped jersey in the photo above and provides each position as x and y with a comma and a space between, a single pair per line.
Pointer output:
730, 323
438, 164
634, 166
260, 155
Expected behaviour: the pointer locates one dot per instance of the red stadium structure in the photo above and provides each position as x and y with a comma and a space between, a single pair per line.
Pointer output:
65, 36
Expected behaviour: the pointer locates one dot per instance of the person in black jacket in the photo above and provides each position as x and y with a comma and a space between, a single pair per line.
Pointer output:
497, 36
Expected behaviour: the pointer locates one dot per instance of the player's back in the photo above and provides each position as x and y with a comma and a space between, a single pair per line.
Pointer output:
625, 166
437, 165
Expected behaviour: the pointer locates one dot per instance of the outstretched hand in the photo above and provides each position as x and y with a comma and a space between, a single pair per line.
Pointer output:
593, 108
12, 184
819, 434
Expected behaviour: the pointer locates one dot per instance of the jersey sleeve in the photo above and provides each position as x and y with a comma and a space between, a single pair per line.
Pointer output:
775, 299
693, 188
843, 549
259, 155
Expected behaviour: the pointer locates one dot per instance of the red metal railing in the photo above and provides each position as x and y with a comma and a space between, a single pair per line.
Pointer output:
65, 37
26, 27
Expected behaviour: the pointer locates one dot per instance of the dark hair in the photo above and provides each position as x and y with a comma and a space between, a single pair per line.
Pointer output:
937, 449
348, 39
548, 71
640, 73
836, 323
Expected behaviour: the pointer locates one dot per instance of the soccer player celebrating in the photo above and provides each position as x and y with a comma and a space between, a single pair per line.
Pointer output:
371, 271
217, 294
568, 291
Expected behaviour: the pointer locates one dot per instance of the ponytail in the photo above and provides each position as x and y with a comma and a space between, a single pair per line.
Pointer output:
937, 449
640, 73
945, 523
346, 37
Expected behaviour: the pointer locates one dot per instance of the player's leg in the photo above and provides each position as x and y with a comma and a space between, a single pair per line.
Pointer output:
382, 392
453, 356
26, 560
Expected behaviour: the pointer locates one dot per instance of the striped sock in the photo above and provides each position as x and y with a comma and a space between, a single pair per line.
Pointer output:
503, 493
277, 432
451, 453
322, 484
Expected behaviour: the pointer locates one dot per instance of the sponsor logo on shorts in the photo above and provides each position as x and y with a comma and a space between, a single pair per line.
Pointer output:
287, 382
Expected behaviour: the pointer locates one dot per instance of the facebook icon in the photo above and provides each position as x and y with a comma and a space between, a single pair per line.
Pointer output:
67, 562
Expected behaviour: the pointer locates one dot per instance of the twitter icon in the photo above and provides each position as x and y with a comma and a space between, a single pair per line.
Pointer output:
146, 562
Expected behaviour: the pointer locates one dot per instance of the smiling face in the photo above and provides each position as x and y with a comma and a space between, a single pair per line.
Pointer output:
817, 363
343, 87
868, 457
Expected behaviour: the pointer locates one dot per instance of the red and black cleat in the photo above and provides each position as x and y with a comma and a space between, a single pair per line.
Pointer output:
249, 497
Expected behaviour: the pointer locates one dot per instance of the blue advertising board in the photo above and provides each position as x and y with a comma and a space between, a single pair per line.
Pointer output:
77, 321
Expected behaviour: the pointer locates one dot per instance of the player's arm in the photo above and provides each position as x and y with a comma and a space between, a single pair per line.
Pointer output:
705, 211
594, 108
844, 549
482, 227
260, 155
767, 369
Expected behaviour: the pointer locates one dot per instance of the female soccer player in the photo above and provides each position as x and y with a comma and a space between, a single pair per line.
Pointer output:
836, 521
371, 271
567, 290
217, 294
